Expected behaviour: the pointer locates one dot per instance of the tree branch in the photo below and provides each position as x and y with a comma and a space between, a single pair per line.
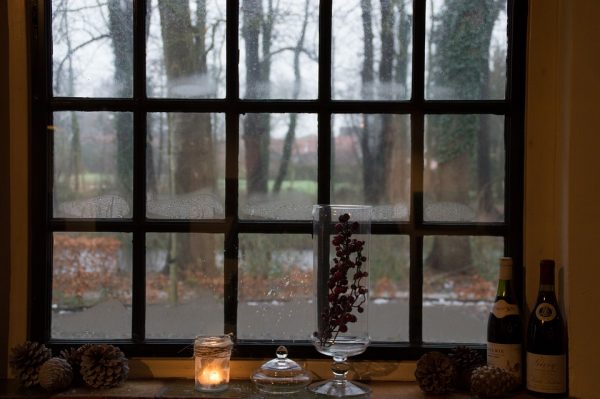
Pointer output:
78, 47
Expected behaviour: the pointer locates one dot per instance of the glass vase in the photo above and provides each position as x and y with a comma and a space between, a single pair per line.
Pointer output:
211, 359
341, 243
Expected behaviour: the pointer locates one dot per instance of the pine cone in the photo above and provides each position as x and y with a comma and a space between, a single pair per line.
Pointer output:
73, 356
103, 366
26, 360
435, 373
465, 360
487, 381
56, 374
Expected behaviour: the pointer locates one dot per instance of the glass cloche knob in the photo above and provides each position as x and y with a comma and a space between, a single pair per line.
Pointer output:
281, 352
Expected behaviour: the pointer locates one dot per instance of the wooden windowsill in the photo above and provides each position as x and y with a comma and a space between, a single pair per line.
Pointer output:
184, 388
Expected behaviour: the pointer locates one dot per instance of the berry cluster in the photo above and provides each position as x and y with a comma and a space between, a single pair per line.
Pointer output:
344, 295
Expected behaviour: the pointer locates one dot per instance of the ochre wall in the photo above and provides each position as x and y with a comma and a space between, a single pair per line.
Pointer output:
582, 125
562, 193
17, 188
4, 194
562, 197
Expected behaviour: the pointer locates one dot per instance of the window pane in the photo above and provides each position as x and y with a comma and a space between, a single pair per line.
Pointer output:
371, 163
279, 47
185, 173
275, 287
389, 273
184, 285
372, 44
459, 285
92, 48
466, 42
91, 285
93, 167
186, 49
464, 168
278, 166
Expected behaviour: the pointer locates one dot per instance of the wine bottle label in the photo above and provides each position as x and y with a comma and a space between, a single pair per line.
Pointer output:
505, 356
545, 312
502, 309
546, 373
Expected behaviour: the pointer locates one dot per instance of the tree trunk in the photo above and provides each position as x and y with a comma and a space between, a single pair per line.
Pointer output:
367, 73
461, 62
191, 139
486, 209
256, 126
399, 176
291, 133
76, 165
121, 32
367, 77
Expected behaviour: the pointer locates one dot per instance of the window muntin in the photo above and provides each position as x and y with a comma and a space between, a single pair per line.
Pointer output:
412, 227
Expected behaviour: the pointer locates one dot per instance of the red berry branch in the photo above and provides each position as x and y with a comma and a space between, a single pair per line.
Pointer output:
344, 296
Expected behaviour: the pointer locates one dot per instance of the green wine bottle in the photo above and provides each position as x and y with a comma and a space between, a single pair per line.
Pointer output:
504, 332
546, 351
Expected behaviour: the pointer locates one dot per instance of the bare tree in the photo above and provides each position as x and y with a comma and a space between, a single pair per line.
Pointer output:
288, 142
190, 135
121, 33
257, 28
75, 168
461, 68
383, 138
398, 176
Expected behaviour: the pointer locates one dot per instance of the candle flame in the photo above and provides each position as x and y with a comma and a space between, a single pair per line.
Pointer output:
211, 377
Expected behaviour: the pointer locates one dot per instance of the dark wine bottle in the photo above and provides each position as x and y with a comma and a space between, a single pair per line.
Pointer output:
504, 332
546, 359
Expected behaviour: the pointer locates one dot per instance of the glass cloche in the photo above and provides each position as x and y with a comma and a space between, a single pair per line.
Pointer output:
281, 375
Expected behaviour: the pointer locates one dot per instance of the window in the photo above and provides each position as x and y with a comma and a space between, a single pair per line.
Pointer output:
178, 146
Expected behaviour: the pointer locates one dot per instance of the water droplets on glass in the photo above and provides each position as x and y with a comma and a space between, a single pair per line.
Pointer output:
92, 48
464, 168
93, 166
371, 163
278, 49
278, 166
185, 173
184, 285
186, 55
459, 277
91, 285
275, 287
372, 50
466, 47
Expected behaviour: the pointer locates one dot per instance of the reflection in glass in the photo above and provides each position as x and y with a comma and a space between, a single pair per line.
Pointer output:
275, 287
91, 285
372, 44
390, 259
279, 46
459, 285
93, 167
278, 166
186, 49
465, 46
184, 285
92, 48
185, 174
371, 163
464, 168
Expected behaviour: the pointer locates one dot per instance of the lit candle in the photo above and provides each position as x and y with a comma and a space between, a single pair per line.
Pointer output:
212, 363
210, 377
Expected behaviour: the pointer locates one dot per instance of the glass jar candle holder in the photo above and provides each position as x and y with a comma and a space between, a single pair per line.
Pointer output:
211, 358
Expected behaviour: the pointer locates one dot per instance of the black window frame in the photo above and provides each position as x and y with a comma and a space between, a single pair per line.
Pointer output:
42, 224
